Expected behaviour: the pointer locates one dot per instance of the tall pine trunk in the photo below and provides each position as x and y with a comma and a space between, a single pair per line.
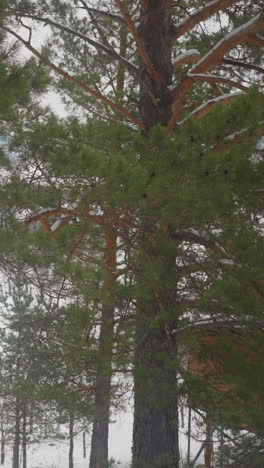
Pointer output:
16, 445
84, 444
71, 438
24, 438
99, 445
155, 431
2, 436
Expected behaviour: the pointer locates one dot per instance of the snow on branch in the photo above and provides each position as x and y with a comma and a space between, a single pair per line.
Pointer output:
235, 37
217, 79
202, 110
117, 18
201, 14
76, 81
239, 137
191, 55
214, 57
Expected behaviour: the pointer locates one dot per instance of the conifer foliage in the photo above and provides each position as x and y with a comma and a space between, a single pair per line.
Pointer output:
173, 179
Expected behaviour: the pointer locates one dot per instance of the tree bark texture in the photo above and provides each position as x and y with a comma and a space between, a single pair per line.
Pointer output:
155, 431
99, 444
156, 32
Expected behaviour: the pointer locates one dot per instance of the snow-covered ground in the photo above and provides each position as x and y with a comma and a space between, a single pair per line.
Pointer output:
55, 455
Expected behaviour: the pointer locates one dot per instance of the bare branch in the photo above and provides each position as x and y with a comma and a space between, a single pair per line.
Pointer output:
97, 45
107, 14
104, 48
247, 66
97, 25
76, 81
202, 14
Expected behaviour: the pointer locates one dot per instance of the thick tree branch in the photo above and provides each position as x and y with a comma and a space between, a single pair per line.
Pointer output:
214, 57
217, 79
76, 81
141, 49
202, 110
237, 36
202, 14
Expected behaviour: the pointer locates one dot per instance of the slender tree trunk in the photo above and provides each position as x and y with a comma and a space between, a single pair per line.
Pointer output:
71, 437
121, 69
189, 436
99, 445
24, 438
208, 446
16, 446
2, 437
155, 431
84, 444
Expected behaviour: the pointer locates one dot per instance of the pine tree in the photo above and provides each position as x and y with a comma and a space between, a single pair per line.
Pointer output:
197, 199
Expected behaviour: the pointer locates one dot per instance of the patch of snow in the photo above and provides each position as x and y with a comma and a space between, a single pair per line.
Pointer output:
57, 223
226, 261
189, 55
260, 144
